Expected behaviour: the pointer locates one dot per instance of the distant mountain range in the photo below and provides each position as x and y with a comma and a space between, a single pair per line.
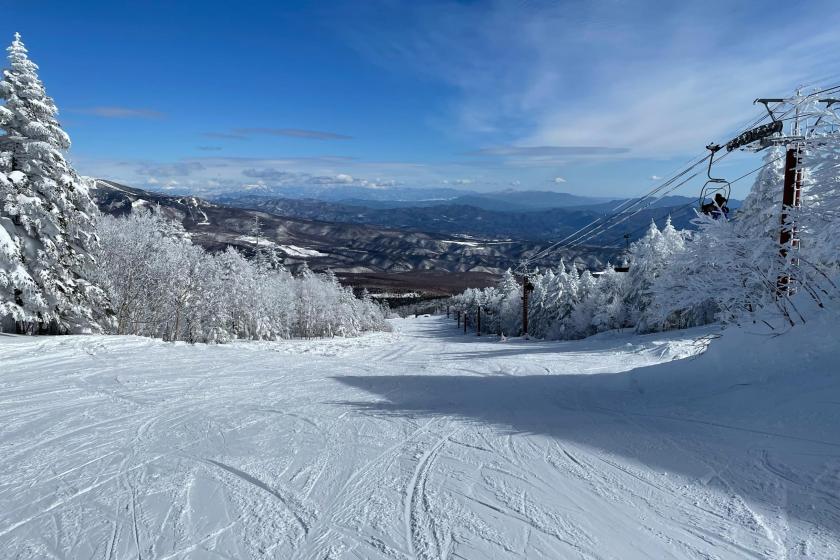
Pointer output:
361, 255
501, 201
382, 244
508, 200
493, 216
400, 197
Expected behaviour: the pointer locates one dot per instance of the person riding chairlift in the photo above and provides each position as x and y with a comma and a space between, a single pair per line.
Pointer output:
717, 208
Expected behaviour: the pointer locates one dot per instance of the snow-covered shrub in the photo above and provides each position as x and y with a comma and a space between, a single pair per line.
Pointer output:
161, 285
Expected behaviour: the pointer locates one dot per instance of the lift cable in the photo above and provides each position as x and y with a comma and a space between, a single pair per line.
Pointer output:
602, 223
604, 226
675, 211
624, 207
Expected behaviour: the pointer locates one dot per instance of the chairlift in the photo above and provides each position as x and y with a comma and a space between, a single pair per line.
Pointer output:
626, 265
715, 193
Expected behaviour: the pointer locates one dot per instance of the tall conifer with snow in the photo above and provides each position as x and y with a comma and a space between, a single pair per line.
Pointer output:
761, 210
46, 214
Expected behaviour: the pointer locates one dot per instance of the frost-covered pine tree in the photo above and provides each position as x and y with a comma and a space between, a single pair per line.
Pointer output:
46, 214
510, 304
819, 217
265, 255
650, 257
162, 285
760, 213
724, 274
608, 301
539, 306
580, 322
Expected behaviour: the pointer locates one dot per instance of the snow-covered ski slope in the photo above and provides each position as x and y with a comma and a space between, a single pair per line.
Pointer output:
420, 444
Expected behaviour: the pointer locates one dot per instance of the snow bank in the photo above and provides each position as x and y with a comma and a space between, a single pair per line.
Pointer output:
751, 354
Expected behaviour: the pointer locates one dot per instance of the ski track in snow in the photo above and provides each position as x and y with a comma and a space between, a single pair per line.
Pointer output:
421, 444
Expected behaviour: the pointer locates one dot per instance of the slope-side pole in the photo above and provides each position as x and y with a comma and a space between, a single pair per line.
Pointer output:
478, 322
791, 196
525, 289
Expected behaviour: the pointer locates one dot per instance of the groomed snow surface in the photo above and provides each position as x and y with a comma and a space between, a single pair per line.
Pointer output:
422, 444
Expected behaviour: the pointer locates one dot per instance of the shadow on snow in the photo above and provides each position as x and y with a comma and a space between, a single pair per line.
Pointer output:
772, 441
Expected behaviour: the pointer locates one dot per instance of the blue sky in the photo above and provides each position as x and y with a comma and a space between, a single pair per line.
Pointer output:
592, 98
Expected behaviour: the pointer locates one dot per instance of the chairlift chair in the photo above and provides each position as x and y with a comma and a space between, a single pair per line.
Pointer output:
713, 187
625, 267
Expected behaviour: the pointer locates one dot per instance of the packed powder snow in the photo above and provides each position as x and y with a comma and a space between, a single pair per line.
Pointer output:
423, 443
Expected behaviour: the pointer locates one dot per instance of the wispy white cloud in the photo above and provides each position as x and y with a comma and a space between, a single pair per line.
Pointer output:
246, 133
645, 80
119, 112
558, 180
209, 175
544, 156
176, 169
223, 135
280, 177
548, 151
215, 173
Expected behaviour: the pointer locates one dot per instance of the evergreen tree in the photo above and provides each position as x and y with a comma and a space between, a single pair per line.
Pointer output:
819, 217
608, 305
539, 307
580, 323
46, 214
760, 212
162, 285
510, 308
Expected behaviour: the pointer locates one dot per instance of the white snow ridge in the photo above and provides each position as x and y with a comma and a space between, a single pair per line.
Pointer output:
423, 443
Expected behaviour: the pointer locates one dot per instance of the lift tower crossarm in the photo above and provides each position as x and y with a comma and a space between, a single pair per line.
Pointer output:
766, 102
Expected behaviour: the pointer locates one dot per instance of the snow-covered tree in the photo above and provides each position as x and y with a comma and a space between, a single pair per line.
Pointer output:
649, 257
162, 285
819, 216
720, 270
731, 269
46, 214
608, 301
580, 322
540, 316
509, 295
759, 215
265, 255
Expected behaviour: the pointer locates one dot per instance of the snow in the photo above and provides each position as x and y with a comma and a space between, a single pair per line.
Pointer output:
291, 250
16, 176
395, 295
464, 243
254, 240
422, 443
7, 244
295, 251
